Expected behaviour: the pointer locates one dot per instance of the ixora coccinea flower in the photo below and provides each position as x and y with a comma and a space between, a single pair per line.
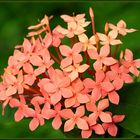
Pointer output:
71, 84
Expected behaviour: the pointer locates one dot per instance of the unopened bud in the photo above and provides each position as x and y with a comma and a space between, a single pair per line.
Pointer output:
106, 28
91, 13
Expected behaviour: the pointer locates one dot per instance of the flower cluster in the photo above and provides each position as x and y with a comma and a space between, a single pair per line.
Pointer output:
71, 83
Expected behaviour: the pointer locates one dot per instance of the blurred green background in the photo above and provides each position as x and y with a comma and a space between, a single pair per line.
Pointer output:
15, 17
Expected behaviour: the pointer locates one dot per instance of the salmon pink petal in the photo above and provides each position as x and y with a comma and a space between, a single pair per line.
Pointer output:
47, 40
105, 50
106, 125
18, 115
66, 93
36, 60
66, 62
11, 90
49, 113
121, 24
107, 86
134, 71
103, 104
112, 130
113, 34
100, 75
77, 58
27, 67
56, 123
127, 78
77, 48
97, 65
91, 106
34, 123
70, 102
102, 37
65, 82
56, 97
93, 54
118, 118
66, 113
109, 61
39, 70
137, 63
105, 117
62, 30
82, 98
83, 68
128, 55
98, 129
49, 87
86, 133
115, 42
118, 83
69, 125
67, 18
93, 118
65, 50
45, 107
89, 83
73, 75
14, 103
80, 111
114, 97
96, 94
82, 124
83, 38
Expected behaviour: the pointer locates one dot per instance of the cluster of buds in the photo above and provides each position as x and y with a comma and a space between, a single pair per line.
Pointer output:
71, 83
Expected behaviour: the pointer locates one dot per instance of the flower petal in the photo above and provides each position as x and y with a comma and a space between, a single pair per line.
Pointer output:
69, 125
65, 50
34, 123
103, 104
114, 97
82, 124
86, 133
105, 117
56, 123
112, 130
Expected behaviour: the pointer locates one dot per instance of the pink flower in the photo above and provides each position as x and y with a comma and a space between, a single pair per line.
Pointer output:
100, 86
37, 117
79, 96
30, 77
75, 69
101, 58
110, 39
22, 108
57, 114
131, 64
47, 41
56, 37
87, 43
119, 75
15, 83
76, 119
97, 128
121, 28
79, 19
72, 55
43, 63
57, 86
73, 29
111, 127
98, 112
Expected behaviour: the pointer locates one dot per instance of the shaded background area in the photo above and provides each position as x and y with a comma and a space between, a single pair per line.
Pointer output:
16, 17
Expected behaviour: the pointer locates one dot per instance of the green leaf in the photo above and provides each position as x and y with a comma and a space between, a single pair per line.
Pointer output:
130, 106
